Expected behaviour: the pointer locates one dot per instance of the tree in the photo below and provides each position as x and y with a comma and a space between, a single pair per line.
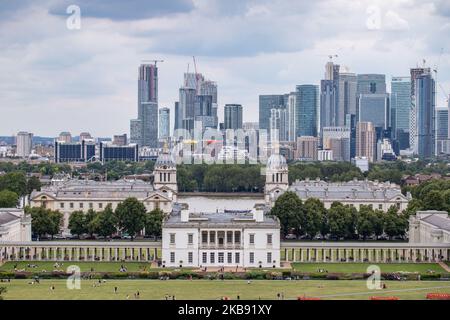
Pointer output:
89, 221
131, 215
434, 200
77, 223
44, 221
14, 181
33, 183
8, 199
315, 217
153, 224
105, 222
342, 221
2, 291
290, 211
395, 224
364, 224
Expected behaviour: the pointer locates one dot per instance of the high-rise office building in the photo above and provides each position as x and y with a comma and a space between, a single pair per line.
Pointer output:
266, 104
338, 140
346, 96
82, 151
374, 108
291, 108
24, 144
425, 107
442, 137
413, 133
306, 109
366, 141
147, 107
178, 124
233, 116
371, 83
329, 97
111, 152
164, 123
278, 124
401, 109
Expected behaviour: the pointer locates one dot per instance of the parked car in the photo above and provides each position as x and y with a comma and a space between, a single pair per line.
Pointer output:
290, 236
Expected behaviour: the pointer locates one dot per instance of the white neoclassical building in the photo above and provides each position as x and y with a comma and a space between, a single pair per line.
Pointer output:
378, 195
429, 227
68, 196
14, 225
221, 239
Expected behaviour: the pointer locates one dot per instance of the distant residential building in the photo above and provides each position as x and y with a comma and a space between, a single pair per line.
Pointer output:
365, 141
337, 139
74, 151
65, 137
362, 163
164, 123
120, 140
307, 148
325, 155
111, 152
233, 116
24, 144
85, 136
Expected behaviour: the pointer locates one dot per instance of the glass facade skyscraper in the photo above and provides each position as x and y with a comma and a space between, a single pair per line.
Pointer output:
233, 116
306, 108
425, 113
164, 123
401, 107
266, 104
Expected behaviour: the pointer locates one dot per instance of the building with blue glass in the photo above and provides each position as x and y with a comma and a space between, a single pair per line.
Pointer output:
307, 104
74, 151
425, 115
110, 152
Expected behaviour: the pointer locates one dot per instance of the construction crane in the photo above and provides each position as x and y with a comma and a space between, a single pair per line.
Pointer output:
435, 70
155, 62
196, 75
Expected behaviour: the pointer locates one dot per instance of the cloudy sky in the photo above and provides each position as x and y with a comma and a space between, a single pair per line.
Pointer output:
54, 78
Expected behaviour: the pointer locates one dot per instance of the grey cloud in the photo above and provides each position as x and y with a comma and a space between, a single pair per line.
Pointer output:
124, 10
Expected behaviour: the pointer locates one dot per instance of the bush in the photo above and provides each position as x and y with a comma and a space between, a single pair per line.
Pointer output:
255, 275
6, 275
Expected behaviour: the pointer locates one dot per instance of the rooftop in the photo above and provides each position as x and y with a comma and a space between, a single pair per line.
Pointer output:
6, 216
438, 221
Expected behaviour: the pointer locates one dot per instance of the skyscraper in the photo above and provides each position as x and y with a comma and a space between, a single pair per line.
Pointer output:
233, 116
374, 108
347, 96
401, 108
291, 110
329, 97
24, 144
266, 104
306, 102
371, 83
65, 137
442, 137
425, 115
147, 133
365, 141
413, 134
278, 124
164, 123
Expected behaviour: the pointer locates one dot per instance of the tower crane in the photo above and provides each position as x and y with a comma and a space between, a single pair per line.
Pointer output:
435, 70
155, 62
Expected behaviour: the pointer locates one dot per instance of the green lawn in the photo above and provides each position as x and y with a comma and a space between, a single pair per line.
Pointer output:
85, 266
362, 267
215, 289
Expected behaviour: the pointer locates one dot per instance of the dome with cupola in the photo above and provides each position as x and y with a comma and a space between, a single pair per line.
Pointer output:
276, 162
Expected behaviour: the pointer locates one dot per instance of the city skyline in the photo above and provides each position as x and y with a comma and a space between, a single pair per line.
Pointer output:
68, 74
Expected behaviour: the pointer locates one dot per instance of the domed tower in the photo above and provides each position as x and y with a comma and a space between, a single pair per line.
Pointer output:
165, 174
277, 179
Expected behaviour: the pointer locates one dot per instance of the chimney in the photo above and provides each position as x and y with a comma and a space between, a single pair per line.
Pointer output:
258, 214
184, 215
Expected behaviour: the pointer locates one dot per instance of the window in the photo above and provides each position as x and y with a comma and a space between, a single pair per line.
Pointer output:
81, 205
221, 257
172, 238
229, 257
190, 257
237, 237
71, 205
236, 257
269, 257
269, 238
252, 257
211, 257
212, 237
100, 205
61, 205
204, 257
190, 238
380, 206
172, 257
229, 236
252, 238
204, 236
91, 205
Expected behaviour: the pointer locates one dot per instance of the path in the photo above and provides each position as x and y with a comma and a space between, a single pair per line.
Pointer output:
444, 266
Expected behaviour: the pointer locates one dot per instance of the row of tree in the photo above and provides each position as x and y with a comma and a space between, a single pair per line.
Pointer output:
130, 217
311, 219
